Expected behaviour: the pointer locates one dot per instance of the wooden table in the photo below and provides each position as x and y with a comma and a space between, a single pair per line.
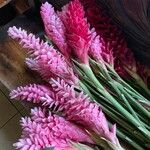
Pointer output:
13, 71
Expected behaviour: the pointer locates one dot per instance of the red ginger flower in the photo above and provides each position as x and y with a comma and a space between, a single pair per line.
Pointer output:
111, 35
123, 56
124, 61
77, 30
47, 130
46, 60
54, 27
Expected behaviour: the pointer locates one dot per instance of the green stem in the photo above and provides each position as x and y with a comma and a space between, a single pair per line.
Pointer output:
85, 89
129, 107
137, 105
115, 87
123, 82
122, 136
122, 122
144, 102
102, 90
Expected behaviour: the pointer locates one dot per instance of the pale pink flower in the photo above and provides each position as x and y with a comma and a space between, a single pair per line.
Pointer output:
31, 93
33, 45
46, 130
77, 30
34, 64
78, 108
75, 107
54, 27
99, 49
45, 57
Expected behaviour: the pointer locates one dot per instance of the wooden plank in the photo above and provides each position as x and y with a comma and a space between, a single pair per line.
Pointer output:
13, 71
21, 5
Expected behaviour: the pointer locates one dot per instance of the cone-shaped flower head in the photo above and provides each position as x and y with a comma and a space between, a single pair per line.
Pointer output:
124, 61
113, 40
54, 27
78, 108
31, 93
46, 60
46, 130
77, 30
99, 49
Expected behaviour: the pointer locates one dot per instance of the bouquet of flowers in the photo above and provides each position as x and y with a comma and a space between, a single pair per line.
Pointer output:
88, 74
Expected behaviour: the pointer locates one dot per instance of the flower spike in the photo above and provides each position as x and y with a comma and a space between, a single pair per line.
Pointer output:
45, 57
78, 108
31, 93
54, 27
47, 130
77, 30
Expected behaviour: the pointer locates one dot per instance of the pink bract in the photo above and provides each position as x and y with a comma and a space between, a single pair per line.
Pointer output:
77, 30
46, 130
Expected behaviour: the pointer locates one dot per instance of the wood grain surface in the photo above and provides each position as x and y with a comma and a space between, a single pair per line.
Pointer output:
13, 71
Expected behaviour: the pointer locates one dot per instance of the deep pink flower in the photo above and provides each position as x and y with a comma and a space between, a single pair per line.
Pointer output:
46, 60
123, 56
77, 30
112, 38
54, 28
46, 130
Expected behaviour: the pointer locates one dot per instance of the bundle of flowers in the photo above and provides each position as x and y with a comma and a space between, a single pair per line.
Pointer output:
86, 78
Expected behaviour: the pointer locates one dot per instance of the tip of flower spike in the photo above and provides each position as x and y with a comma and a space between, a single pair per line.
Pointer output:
54, 28
14, 32
77, 30
46, 7
14, 93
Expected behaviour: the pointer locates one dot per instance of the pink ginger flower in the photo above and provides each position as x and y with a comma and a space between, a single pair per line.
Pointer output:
99, 49
78, 108
31, 93
75, 107
46, 130
54, 27
77, 30
124, 61
46, 60
34, 64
